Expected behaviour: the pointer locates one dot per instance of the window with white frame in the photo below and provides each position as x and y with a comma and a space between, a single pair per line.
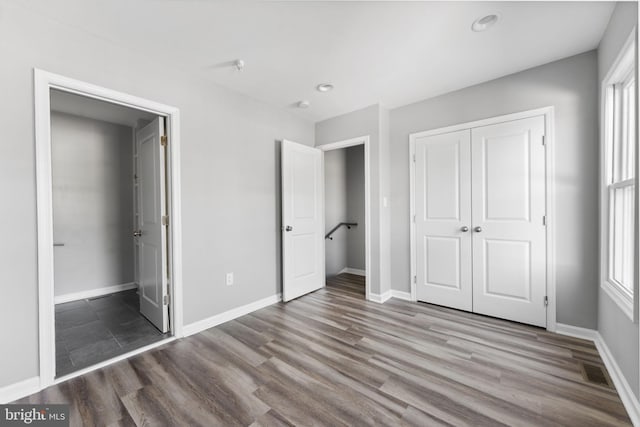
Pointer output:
619, 176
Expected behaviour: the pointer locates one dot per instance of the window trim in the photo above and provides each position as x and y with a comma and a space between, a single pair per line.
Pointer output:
619, 71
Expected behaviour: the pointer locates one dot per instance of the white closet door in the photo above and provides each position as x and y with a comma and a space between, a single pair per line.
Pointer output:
508, 205
443, 213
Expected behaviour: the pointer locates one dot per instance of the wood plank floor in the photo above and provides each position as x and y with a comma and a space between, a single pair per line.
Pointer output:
332, 358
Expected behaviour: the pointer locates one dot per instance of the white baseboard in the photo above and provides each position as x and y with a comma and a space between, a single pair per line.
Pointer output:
629, 399
92, 293
380, 298
576, 332
401, 295
19, 390
355, 271
234, 313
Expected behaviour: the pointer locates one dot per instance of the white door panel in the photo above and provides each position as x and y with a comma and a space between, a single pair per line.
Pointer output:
508, 204
507, 269
442, 259
302, 220
151, 244
443, 208
506, 177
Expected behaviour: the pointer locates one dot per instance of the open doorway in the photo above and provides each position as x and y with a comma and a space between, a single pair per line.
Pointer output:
109, 264
345, 224
100, 181
347, 215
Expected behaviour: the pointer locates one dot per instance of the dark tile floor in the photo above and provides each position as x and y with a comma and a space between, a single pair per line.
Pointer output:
90, 331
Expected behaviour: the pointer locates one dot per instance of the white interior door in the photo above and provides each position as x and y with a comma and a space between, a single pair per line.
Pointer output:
302, 220
443, 219
508, 204
151, 237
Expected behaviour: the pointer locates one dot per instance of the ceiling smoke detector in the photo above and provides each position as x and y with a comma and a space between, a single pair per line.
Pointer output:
324, 87
484, 23
238, 64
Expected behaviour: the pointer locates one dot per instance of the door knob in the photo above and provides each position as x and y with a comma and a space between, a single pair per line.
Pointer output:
137, 233
478, 229
288, 228
464, 228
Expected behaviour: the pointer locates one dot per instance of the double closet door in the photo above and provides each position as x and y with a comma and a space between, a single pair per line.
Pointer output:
480, 220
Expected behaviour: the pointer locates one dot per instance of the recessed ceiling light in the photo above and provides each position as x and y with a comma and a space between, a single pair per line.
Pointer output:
324, 87
303, 104
484, 23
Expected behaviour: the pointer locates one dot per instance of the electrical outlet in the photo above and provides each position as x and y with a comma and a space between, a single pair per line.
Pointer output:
229, 279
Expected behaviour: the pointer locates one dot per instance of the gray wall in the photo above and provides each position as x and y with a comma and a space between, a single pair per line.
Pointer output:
92, 203
571, 86
335, 210
370, 121
617, 330
228, 149
355, 206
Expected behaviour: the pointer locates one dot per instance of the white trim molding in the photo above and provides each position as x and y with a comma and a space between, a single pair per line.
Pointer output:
406, 296
355, 271
93, 293
576, 332
625, 59
624, 302
380, 298
43, 82
629, 399
19, 390
550, 197
234, 313
365, 141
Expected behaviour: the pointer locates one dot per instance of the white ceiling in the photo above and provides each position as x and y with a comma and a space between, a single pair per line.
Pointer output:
393, 53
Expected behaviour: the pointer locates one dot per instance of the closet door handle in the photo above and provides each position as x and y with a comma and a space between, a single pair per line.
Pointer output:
464, 228
478, 229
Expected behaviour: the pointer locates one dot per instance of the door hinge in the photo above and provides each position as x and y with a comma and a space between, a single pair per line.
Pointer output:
165, 220
544, 140
546, 300
544, 220
166, 300
414, 158
414, 218
163, 140
415, 279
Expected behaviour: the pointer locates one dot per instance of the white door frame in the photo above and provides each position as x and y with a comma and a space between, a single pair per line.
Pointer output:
361, 140
43, 82
548, 113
